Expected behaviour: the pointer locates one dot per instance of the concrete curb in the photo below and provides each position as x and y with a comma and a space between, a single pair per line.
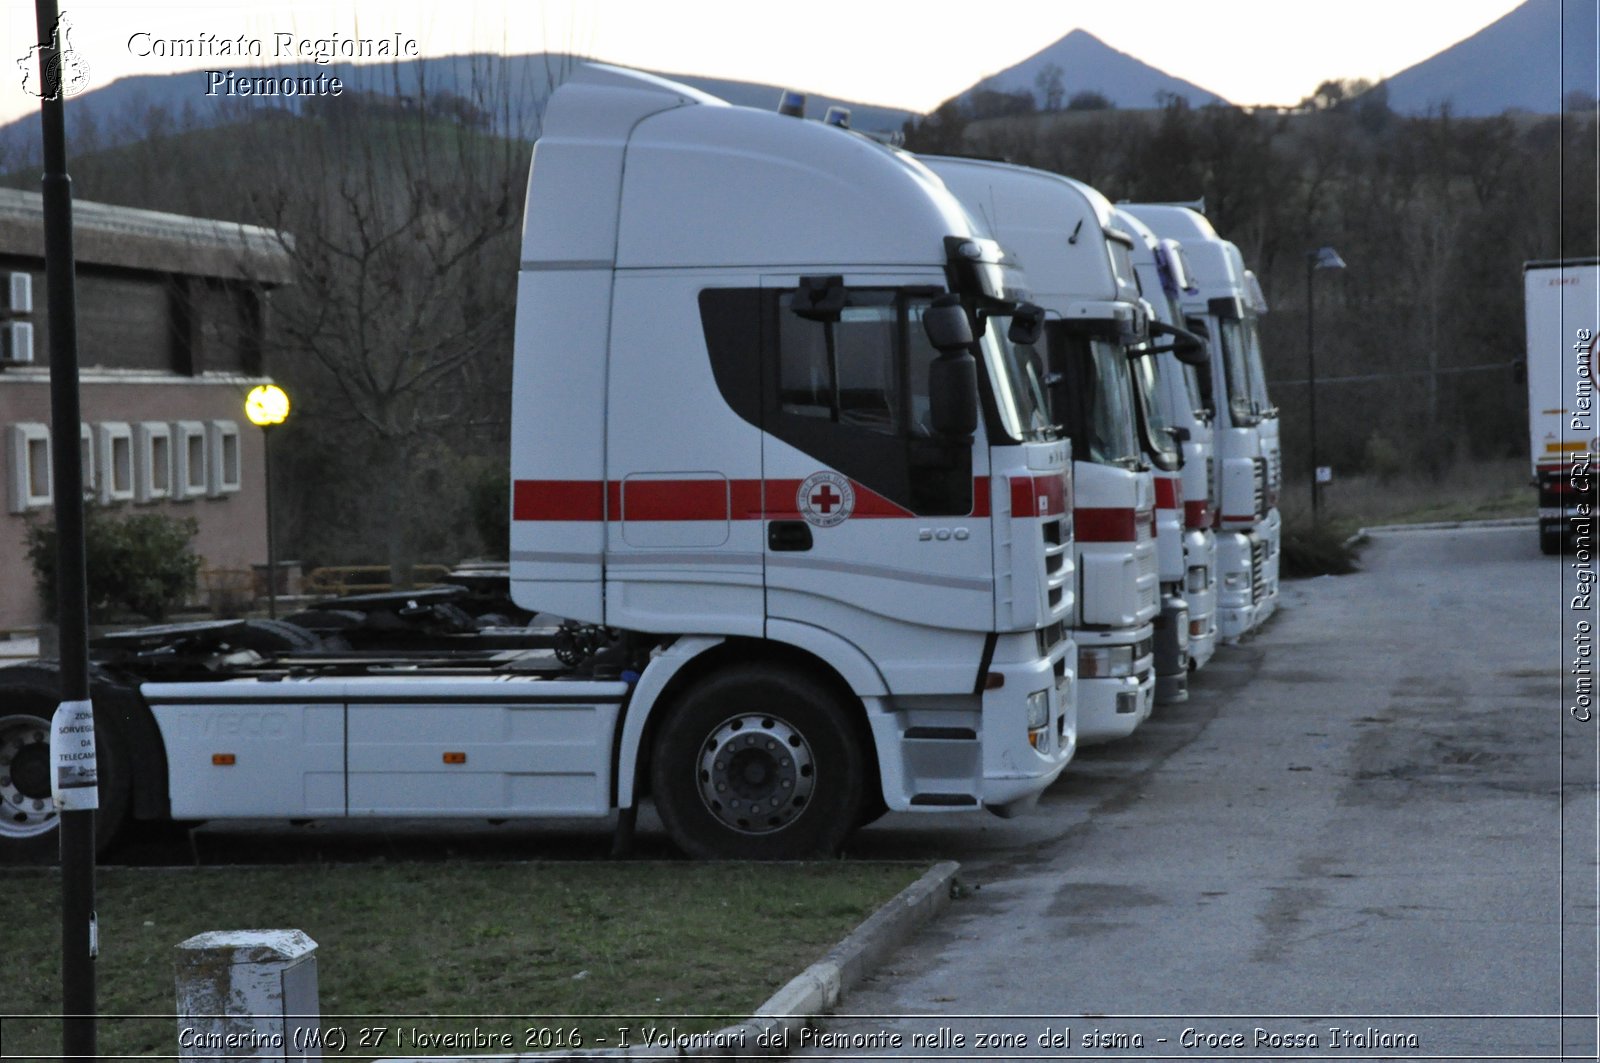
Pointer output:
775, 1027
1445, 525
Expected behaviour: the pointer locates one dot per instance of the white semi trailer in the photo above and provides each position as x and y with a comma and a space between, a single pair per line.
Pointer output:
1562, 300
809, 526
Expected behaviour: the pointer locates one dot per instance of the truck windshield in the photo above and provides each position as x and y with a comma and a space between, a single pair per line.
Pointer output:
1258, 370
1016, 372
1092, 396
1158, 441
1236, 365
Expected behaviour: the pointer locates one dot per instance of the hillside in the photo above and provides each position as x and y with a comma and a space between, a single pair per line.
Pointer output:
511, 90
1530, 59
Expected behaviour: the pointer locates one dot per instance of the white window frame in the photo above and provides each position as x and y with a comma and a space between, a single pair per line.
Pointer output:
24, 437
108, 434
145, 488
90, 462
186, 485
223, 477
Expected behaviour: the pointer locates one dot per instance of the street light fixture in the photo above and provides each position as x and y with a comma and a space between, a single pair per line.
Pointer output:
266, 407
1321, 258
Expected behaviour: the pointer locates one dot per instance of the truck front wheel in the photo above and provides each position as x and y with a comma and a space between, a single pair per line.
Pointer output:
758, 763
28, 816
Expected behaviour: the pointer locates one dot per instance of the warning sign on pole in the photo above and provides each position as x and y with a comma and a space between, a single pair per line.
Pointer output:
74, 776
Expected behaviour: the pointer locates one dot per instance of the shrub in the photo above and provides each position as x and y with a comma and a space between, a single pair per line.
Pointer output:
489, 498
1382, 458
143, 563
1315, 550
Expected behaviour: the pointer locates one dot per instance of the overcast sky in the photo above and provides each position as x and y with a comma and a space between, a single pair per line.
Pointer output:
903, 53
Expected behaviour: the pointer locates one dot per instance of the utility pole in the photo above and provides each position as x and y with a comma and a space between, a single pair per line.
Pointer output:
74, 768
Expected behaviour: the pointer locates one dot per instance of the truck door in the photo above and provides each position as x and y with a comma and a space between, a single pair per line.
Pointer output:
868, 514
683, 470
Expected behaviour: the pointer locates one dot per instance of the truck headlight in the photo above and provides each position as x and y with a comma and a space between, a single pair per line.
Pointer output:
1105, 662
1236, 581
1038, 709
1197, 579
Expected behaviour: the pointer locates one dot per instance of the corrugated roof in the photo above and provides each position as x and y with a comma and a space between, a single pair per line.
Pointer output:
150, 239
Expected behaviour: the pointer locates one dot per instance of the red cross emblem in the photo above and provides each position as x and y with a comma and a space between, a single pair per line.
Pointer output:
825, 499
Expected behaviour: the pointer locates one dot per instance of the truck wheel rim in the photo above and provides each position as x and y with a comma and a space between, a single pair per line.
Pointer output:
26, 807
756, 773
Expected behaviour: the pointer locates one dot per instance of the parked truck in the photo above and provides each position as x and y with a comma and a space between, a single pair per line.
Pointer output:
1094, 359
1562, 300
1186, 545
772, 461
1248, 526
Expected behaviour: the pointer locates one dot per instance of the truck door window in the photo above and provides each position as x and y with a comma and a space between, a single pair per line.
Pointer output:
842, 371
851, 393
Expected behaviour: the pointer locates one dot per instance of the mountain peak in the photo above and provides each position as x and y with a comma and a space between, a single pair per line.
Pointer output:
1086, 63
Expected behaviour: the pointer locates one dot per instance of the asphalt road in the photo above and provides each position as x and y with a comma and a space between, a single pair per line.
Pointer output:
1374, 815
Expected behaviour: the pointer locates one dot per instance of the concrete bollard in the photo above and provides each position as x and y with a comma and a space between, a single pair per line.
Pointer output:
248, 994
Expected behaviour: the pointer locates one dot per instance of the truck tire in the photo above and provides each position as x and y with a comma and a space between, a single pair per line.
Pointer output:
1549, 540
756, 763
28, 818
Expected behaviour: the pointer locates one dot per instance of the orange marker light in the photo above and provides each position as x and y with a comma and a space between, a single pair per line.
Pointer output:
455, 758
223, 760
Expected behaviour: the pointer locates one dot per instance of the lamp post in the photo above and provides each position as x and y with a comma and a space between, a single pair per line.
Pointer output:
1321, 258
266, 407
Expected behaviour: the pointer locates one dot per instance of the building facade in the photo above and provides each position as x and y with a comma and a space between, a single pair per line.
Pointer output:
171, 315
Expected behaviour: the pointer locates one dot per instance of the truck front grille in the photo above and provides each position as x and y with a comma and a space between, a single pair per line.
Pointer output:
1258, 569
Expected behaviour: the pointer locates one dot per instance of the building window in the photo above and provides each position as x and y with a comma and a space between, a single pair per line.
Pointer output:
152, 468
225, 469
189, 472
115, 452
30, 467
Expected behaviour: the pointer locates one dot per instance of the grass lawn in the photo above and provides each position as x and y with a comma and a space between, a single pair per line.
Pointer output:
692, 945
1465, 492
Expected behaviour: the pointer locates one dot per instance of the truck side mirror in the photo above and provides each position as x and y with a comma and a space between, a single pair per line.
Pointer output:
1027, 325
1179, 433
1187, 347
953, 376
953, 394
946, 324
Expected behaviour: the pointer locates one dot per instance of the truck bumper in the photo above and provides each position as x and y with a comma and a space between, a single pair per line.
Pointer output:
1172, 651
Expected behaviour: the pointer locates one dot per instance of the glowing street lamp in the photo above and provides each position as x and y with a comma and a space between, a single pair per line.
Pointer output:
266, 407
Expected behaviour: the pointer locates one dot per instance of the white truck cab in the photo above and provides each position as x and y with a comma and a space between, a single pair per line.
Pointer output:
1186, 545
1080, 266
727, 429
1247, 523
775, 463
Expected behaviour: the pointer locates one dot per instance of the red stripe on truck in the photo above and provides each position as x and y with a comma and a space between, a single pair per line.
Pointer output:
1197, 514
558, 500
1169, 494
690, 500
1038, 496
1111, 524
